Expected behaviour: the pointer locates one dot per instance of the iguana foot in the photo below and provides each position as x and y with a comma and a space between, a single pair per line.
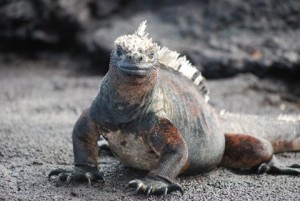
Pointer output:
79, 174
152, 185
275, 167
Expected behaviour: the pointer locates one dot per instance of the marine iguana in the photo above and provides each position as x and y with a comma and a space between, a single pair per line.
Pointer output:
152, 108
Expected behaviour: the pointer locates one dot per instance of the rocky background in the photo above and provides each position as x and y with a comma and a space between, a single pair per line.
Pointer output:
53, 54
223, 38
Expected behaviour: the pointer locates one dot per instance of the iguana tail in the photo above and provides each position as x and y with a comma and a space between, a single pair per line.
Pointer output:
282, 131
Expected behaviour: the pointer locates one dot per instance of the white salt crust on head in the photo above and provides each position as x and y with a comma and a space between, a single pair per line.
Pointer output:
140, 42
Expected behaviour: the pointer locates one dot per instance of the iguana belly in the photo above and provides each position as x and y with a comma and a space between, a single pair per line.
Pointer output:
132, 150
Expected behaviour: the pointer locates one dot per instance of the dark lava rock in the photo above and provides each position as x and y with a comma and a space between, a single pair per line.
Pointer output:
38, 22
42, 24
222, 38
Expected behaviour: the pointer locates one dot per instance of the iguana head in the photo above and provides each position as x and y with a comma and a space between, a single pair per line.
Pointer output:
135, 54
138, 57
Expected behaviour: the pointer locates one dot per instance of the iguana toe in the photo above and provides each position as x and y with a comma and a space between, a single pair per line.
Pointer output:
175, 187
150, 186
294, 166
77, 175
57, 172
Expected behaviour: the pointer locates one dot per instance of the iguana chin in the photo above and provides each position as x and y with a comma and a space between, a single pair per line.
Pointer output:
152, 109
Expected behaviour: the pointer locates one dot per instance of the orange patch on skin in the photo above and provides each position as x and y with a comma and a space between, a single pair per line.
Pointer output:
169, 131
168, 142
245, 151
165, 134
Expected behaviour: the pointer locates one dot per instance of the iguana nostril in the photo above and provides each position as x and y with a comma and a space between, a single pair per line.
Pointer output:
140, 58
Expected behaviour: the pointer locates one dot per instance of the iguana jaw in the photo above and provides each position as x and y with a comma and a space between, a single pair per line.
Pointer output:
140, 70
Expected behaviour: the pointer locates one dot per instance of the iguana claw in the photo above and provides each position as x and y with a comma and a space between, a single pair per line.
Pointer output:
78, 174
154, 186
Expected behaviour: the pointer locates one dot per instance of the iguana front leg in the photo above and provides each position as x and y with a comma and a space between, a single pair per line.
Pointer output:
85, 148
167, 141
246, 151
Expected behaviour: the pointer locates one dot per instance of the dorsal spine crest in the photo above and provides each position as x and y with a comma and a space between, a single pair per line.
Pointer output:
172, 59
141, 30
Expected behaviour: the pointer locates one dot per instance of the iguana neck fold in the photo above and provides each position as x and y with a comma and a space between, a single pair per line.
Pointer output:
129, 96
131, 89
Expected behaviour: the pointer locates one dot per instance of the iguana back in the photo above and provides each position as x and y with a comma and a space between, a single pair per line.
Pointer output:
178, 99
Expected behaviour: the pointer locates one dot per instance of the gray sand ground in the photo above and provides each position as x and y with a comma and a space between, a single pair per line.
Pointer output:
41, 100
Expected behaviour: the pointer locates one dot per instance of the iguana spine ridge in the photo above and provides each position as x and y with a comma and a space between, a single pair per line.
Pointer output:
280, 117
173, 60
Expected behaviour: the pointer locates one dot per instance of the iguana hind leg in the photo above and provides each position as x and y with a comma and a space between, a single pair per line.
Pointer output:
245, 151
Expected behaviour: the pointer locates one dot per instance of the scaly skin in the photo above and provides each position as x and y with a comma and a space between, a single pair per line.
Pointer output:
155, 119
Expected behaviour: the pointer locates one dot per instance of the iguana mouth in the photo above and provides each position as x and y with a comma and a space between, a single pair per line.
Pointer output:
138, 70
